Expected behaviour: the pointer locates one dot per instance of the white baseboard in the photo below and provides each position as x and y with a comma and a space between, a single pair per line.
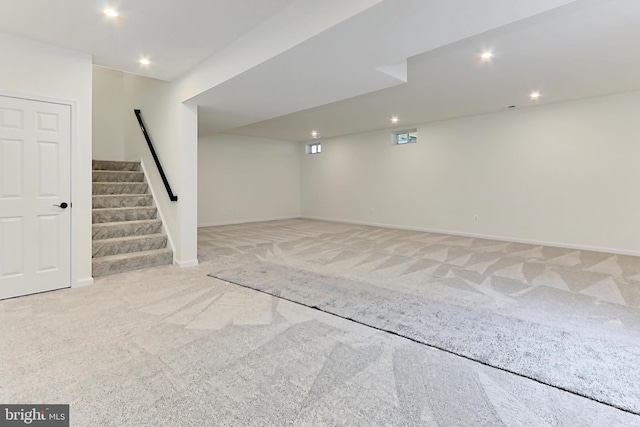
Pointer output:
185, 264
88, 281
246, 221
484, 236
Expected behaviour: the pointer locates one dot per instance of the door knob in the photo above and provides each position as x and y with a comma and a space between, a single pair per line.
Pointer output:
62, 205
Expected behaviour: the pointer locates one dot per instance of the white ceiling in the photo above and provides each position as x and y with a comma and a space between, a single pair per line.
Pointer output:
174, 35
585, 49
345, 61
368, 59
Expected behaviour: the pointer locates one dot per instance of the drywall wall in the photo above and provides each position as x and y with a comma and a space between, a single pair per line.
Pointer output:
108, 114
173, 127
43, 72
153, 98
564, 174
244, 179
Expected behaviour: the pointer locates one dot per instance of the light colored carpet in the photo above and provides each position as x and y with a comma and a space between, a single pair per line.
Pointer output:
172, 347
564, 317
595, 368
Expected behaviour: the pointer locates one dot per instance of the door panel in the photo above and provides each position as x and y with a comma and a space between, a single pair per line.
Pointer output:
35, 164
49, 238
11, 250
11, 158
48, 172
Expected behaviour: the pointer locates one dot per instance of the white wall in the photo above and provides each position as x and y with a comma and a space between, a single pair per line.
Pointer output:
173, 126
39, 71
152, 98
108, 114
565, 174
244, 179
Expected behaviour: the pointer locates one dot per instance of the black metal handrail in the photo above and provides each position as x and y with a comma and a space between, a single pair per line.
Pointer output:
172, 196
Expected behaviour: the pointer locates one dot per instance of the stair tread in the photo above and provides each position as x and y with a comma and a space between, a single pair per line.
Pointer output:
124, 208
130, 238
124, 195
119, 182
118, 171
132, 222
107, 201
110, 258
113, 230
114, 196
114, 162
117, 176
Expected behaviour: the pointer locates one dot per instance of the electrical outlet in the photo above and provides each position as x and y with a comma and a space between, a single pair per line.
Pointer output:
476, 217
231, 210
221, 210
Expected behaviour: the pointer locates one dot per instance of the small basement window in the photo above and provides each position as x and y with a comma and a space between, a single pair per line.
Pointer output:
405, 136
314, 148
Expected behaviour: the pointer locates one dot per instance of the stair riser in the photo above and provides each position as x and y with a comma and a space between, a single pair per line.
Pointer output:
111, 231
118, 201
129, 214
103, 267
117, 176
115, 166
101, 249
119, 188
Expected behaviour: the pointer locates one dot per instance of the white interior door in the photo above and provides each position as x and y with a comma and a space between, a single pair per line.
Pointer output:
35, 183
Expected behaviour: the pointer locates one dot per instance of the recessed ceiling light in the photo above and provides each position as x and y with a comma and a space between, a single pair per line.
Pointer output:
534, 95
314, 134
144, 61
111, 12
394, 119
486, 55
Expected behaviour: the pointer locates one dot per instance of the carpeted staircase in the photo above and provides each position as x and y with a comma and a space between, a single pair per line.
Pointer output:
127, 233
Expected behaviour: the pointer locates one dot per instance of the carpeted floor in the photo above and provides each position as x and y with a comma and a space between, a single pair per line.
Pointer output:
598, 368
172, 347
567, 318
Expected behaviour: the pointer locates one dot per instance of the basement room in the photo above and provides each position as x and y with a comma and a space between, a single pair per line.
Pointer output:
320, 213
